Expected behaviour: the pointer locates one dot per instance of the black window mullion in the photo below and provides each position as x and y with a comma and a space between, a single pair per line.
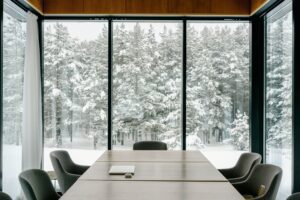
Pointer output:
296, 98
1, 95
257, 87
41, 43
184, 68
109, 96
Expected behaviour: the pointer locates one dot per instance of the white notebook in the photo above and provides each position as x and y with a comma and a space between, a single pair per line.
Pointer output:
121, 170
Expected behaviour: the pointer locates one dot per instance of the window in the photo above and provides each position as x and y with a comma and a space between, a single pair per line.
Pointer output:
147, 86
278, 97
218, 90
14, 30
147, 68
75, 89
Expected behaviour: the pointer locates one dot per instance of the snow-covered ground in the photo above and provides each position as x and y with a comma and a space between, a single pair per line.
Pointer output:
12, 162
282, 158
222, 156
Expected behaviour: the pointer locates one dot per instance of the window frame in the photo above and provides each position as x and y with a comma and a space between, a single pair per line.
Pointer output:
278, 11
179, 19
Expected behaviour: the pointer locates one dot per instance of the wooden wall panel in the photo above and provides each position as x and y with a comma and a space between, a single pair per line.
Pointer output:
162, 7
104, 6
37, 4
63, 6
256, 4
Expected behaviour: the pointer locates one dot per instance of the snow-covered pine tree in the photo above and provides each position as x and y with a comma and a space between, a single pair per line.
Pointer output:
279, 83
13, 67
218, 66
239, 131
58, 59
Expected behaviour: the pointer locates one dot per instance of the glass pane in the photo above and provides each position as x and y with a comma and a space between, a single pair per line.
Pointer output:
218, 90
14, 29
147, 65
278, 113
75, 89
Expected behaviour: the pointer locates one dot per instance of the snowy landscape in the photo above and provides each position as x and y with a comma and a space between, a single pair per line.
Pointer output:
147, 84
279, 87
147, 91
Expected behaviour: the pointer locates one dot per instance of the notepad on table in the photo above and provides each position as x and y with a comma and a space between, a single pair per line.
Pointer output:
121, 170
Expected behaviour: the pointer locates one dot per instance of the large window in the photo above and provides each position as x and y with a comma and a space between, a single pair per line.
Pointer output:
147, 86
14, 28
75, 89
218, 90
278, 100
147, 68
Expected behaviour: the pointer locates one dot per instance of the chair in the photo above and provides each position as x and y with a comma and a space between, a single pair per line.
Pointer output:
150, 145
295, 196
66, 170
243, 167
263, 175
4, 196
36, 185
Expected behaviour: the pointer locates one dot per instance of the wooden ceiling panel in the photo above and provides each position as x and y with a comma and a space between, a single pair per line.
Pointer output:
146, 6
256, 4
104, 6
189, 7
230, 7
37, 4
63, 6
161, 7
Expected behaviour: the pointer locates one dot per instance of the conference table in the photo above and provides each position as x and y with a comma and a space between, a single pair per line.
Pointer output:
159, 175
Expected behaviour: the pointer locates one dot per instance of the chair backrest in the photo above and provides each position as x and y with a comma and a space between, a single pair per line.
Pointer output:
62, 164
37, 185
267, 175
245, 164
150, 145
64, 159
4, 196
295, 196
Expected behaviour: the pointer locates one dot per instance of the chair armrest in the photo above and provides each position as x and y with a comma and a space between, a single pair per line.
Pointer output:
241, 187
237, 180
227, 172
80, 169
71, 179
72, 176
59, 193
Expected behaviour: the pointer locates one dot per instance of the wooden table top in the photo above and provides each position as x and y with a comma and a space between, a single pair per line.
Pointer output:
152, 156
159, 175
156, 171
150, 190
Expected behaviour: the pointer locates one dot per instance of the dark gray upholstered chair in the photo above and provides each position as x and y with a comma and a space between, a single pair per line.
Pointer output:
66, 170
37, 185
295, 196
243, 167
4, 196
150, 145
265, 175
